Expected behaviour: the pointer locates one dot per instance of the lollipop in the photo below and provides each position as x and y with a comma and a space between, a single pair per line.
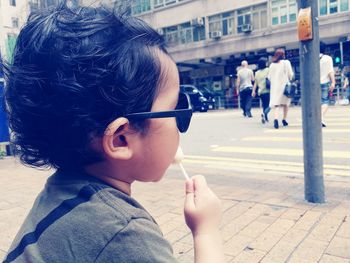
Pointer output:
179, 156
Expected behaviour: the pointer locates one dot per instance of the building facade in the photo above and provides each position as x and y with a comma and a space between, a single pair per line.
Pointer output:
208, 38
13, 14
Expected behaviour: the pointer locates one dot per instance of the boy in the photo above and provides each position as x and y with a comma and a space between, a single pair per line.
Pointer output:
97, 97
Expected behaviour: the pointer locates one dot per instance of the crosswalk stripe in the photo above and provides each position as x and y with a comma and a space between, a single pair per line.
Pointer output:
325, 130
278, 151
329, 124
258, 161
339, 118
289, 139
263, 167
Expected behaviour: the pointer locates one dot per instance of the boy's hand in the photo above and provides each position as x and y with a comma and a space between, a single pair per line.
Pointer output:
202, 207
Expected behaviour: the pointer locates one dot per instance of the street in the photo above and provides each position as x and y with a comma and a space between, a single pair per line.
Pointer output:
256, 171
226, 140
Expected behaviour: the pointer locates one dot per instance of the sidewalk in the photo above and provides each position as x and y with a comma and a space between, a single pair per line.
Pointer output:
265, 218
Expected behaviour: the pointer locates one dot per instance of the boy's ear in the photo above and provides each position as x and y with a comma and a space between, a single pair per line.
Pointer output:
115, 141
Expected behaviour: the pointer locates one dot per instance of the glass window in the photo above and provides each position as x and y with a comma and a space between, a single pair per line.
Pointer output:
323, 7
198, 33
263, 19
256, 20
171, 35
283, 14
215, 23
292, 12
259, 16
12, 2
344, 5
140, 6
283, 11
185, 33
243, 18
167, 2
333, 6
158, 3
227, 23
275, 19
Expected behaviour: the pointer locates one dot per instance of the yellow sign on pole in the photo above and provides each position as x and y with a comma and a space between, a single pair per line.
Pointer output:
305, 24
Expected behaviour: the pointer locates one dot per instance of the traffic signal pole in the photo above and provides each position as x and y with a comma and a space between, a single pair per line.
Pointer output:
311, 109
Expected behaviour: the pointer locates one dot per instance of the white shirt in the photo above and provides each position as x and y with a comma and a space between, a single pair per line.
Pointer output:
246, 76
326, 67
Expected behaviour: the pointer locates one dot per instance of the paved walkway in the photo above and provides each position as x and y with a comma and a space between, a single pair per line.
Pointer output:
265, 218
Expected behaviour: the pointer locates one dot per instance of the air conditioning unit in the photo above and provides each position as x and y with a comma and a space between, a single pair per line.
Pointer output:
160, 31
215, 34
247, 28
197, 22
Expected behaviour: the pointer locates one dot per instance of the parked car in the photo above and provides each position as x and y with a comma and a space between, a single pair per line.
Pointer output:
200, 101
210, 96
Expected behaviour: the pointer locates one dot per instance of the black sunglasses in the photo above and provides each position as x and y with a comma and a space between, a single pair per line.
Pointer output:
182, 113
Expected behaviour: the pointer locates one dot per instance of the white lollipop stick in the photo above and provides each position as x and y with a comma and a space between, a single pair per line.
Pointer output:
184, 172
179, 156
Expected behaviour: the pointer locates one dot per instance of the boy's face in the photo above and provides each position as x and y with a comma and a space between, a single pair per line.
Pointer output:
158, 147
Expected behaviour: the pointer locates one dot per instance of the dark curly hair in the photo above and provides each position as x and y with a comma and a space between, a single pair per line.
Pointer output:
74, 71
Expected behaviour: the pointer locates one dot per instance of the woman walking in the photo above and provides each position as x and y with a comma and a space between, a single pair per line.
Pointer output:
263, 88
280, 74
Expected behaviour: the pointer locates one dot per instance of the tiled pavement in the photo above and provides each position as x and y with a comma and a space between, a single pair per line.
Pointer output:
265, 218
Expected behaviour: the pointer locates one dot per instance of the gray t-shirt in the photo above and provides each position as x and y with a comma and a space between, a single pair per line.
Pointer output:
245, 75
78, 218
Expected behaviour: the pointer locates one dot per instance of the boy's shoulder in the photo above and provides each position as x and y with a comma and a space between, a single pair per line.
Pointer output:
85, 217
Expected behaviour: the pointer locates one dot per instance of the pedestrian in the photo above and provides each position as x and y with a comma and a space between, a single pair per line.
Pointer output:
280, 75
95, 96
245, 77
327, 80
262, 84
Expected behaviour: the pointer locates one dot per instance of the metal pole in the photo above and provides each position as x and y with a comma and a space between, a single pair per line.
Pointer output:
311, 110
341, 53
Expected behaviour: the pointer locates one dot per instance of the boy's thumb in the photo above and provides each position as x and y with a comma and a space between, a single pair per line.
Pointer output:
189, 199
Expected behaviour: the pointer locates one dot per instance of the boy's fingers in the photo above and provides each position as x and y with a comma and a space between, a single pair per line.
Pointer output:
199, 183
189, 186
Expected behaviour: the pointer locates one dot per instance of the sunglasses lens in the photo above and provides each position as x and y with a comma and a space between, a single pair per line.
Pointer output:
183, 102
183, 120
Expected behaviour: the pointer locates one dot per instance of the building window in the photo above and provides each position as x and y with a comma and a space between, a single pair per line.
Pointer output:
283, 11
14, 21
183, 34
344, 5
224, 23
168, 2
259, 16
255, 16
243, 18
158, 3
198, 32
333, 6
185, 31
171, 35
12, 2
140, 6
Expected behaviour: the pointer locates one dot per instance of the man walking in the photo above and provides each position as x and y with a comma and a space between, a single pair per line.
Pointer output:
327, 80
245, 77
